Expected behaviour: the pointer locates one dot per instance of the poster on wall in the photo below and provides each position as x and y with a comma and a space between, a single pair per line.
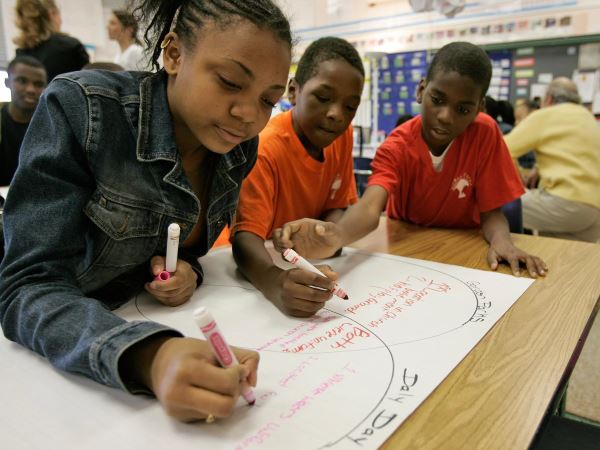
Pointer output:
501, 74
589, 56
535, 67
586, 85
399, 77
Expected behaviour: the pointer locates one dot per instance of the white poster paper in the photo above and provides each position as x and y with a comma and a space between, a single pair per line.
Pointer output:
345, 378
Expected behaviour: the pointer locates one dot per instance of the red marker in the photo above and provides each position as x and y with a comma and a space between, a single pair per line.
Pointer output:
297, 260
215, 338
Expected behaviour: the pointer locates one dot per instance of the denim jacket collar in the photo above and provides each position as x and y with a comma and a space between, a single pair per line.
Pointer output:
156, 139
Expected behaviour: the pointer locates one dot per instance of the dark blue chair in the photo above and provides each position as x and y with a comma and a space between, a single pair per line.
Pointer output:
362, 171
513, 212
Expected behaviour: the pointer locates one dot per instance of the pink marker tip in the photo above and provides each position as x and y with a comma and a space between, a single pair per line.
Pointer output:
346, 297
163, 276
249, 397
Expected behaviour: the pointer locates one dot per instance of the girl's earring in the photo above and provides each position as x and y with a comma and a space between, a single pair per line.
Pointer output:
165, 43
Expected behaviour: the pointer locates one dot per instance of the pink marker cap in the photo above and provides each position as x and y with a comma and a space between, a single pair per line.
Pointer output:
163, 276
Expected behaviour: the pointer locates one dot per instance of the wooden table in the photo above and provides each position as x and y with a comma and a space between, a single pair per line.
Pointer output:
498, 395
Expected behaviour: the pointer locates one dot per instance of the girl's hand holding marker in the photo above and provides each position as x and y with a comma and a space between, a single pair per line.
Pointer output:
174, 280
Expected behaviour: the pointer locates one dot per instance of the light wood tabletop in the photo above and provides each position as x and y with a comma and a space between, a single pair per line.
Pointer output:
497, 397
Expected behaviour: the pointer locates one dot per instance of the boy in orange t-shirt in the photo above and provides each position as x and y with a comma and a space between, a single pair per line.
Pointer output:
304, 169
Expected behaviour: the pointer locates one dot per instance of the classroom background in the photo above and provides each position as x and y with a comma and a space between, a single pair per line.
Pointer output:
530, 42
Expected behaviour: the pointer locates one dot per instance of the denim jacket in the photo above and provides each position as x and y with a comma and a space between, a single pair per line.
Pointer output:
99, 181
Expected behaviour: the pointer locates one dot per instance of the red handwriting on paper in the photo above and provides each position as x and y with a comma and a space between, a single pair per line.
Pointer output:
338, 336
408, 292
379, 296
300, 330
263, 397
350, 337
259, 437
395, 299
321, 389
297, 371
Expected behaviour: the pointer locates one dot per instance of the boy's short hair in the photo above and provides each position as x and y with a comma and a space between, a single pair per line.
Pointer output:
467, 60
325, 49
26, 60
103, 65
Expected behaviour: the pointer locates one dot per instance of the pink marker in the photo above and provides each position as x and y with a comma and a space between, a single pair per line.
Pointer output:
172, 249
297, 260
215, 338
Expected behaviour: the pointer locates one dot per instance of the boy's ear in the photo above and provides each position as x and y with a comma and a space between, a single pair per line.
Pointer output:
481, 107
292, 91
420, 89
171, 46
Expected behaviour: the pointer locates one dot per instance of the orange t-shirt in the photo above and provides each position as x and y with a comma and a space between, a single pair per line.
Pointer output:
288, 184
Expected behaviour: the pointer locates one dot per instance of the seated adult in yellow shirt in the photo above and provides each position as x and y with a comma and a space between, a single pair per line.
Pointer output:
566, 137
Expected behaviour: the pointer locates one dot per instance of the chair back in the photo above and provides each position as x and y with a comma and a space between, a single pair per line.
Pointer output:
513, 212
362, 171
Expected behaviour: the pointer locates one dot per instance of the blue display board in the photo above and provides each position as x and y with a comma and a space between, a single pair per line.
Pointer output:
500, 85
399, 76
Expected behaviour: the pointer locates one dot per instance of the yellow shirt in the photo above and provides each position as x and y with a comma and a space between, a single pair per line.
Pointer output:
566, 139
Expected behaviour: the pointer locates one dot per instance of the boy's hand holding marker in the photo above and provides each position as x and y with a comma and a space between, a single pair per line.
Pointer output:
301, 293
297, 260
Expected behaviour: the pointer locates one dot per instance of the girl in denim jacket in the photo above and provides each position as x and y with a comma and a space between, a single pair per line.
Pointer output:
109, 161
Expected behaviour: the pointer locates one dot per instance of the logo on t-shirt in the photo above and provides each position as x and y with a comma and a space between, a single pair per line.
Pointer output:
336, 185
460, 184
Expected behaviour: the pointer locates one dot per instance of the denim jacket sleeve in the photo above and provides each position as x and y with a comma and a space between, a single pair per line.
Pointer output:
42, 305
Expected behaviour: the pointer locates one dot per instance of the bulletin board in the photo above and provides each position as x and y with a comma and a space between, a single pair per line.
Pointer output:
501, 74
535, 67
399, 76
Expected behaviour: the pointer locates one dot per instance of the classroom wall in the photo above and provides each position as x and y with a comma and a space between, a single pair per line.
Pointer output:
391, 25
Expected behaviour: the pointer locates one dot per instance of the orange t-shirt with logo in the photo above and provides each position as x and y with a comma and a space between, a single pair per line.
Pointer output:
288, 184
477, 175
